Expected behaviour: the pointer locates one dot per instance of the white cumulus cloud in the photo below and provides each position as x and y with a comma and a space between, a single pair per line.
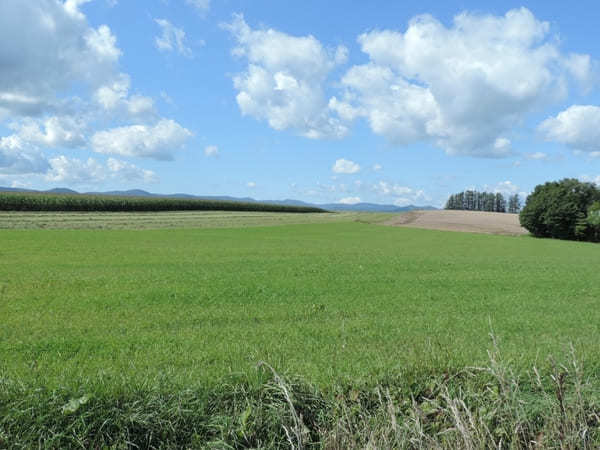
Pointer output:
284, 80
17, 157
462, 87
159, 141
55, 131
129, 172
578, 127
345, 166
72, 170
90, 172
172, 38
114, 97
401, 195
49, 46
506, 188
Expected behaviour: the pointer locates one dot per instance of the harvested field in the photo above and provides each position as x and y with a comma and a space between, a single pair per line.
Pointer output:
469, 221
173, 219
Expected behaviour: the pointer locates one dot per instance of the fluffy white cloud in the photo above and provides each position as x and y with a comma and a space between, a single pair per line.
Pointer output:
251, 184
349, 200
386, 188
158, 141
63, 131
72, 7
345, 166
53, 50
71, 170
581, 67
110, 95
129, 172
60, 77
51, 47
139, 105
461, 87
172, 38
211, 151
506, 188
17, 157
577, 127
402, 195
377, 167
90, 172
21, 162
103, 44
284, 80
114, 97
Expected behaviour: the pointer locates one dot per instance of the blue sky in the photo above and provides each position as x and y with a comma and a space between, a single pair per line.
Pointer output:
380, 101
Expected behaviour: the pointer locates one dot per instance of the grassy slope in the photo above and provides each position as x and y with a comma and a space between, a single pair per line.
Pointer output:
327, 302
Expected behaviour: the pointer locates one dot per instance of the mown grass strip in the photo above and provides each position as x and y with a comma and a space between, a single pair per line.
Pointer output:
174, 219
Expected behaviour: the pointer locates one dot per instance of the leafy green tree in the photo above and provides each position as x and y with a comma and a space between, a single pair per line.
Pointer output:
514, 204
499, 203
471, 200
554, 209
593, 221
582, 228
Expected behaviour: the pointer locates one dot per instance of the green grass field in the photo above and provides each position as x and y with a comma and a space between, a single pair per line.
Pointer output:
338, 304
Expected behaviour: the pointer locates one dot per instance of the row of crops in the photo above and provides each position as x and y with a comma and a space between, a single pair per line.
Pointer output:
13, 201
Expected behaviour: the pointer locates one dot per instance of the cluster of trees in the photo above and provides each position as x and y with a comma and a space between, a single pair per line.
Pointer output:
484, 201
566, 209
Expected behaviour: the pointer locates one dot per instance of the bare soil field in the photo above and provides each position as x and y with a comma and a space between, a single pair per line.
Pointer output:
469, 221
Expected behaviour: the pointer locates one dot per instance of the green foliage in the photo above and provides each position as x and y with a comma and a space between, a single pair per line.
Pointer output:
514, 204
593, 216
12, 201
559, 209
486, 407
477, 201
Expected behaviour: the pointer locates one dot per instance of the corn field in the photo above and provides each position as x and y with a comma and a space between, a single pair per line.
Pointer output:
10, 201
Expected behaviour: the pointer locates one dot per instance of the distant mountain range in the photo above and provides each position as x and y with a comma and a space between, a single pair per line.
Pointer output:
370, 207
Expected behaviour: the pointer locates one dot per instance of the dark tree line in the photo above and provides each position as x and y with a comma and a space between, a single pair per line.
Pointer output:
483, 201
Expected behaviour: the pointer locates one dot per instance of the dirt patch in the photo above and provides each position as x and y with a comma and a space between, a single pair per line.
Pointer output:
469, 221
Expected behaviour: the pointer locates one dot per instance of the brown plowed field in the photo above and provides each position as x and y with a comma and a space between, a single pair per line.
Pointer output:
469, 221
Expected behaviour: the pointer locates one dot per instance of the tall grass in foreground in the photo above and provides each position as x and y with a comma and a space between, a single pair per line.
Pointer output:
477, 407
11, 201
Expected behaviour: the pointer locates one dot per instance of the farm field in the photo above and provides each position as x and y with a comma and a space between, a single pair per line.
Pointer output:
454, 220
342, 305
174, 219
